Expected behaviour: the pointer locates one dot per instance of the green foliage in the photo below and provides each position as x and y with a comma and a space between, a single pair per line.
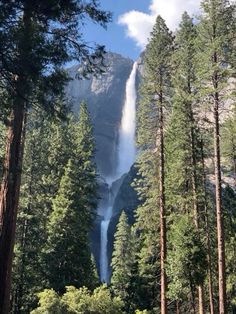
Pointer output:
33, 212
186, 259
46, 203
121, 258
229, 203
181, 135
67, 251
123, 264
49, 303
214, 46
229, 142
154, 93
79, 301
37, 47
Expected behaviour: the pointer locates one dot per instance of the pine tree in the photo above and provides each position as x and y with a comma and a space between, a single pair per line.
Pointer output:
157, 73
36, 41
187, 260
67, 252
214, 49
122, 260
30, 233
183, 159
146, 229
47, 150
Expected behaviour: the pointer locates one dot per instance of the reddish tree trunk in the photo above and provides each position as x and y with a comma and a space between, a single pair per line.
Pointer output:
208, 241
201, 301
219, 211
162, 214
9, 199
10, 189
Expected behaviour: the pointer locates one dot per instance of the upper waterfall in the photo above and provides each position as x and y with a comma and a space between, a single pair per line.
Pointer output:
127, 146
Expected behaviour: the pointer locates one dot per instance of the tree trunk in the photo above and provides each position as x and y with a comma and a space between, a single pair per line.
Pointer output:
201, 302
10, 189
9, 199
162, 213
219, 211
192, 294
218, 195
178, 307
208, 241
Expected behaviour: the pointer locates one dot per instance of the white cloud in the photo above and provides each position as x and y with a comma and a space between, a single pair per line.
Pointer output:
139, 24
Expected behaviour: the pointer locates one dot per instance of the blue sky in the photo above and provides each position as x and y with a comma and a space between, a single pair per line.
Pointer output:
133, 21
115, 38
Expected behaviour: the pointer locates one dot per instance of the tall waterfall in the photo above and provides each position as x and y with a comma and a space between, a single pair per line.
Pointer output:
126, 147
126, 157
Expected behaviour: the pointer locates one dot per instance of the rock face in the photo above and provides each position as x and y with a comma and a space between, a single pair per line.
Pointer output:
105, 97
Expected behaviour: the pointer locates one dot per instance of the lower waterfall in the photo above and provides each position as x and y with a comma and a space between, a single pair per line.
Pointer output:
104, 274
126, 154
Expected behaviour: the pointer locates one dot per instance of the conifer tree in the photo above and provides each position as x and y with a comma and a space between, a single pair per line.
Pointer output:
68, 258
183, 159
214, 50
47, 149
122, 260
33, 211
157, 73
187, 260
67, 253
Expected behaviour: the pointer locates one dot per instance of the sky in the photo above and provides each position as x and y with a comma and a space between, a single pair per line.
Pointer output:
133, 21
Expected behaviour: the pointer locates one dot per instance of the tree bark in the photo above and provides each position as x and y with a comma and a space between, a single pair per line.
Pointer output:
178, 307
201, 301
208, 241
218, 196
219, 211
162, 213
10, 188
9, 199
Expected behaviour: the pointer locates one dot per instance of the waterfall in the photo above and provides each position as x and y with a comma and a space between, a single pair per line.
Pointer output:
126, 147
126, 158
104, 275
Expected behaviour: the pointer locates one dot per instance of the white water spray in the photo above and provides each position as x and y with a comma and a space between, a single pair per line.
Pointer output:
126, 158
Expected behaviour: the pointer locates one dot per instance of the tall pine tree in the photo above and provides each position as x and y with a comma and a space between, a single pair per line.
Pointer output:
214, 50
122, 261
183, 158
67, 253
157, 73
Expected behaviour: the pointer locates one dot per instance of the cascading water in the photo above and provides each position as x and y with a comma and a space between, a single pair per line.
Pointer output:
104, 276
126, 147
126, 158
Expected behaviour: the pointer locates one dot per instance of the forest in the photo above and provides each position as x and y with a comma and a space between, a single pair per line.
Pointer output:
178, 252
